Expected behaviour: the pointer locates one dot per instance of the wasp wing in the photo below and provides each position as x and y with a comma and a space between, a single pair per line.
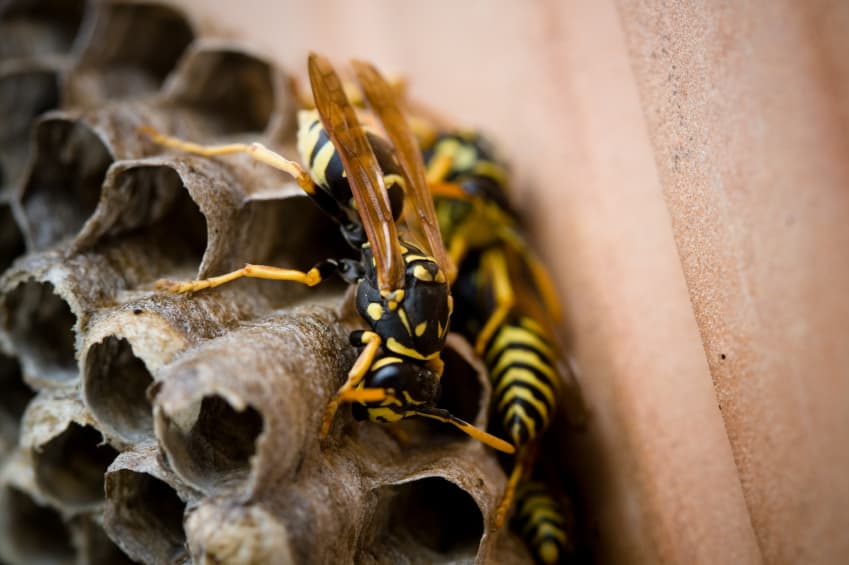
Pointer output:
364, 175
419, 212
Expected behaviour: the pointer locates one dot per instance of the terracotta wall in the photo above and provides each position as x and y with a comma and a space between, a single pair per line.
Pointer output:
684, 168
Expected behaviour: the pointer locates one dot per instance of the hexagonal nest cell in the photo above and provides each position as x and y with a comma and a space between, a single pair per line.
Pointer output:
115, 384
127, 412
70, 467
41, 328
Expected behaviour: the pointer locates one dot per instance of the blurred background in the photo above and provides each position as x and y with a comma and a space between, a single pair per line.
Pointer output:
683, 167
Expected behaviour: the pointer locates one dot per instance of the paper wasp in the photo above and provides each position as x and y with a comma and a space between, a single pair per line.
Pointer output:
364, 183
506, 306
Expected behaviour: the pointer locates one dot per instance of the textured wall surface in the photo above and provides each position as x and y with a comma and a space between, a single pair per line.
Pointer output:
684, 168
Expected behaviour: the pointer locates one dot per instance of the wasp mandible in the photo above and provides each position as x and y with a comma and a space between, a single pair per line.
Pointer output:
362, 181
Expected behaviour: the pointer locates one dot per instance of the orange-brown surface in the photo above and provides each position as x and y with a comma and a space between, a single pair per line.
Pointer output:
685, 172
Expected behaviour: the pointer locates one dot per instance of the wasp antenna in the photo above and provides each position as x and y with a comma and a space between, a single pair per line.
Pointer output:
467, 428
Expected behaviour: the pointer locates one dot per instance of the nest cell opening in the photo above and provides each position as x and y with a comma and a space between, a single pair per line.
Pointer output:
152, 199
31, 532
39, 27
23, 96
217, 449
133, 47
436, 514
144, 516
115, 384
234, 89
40, 325
11, 238
63, 187
70, 467
302, 234
13, 400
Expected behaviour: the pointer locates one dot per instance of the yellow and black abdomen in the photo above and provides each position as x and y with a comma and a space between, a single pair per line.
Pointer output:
539, 520
520, 357
525, 384
321, 159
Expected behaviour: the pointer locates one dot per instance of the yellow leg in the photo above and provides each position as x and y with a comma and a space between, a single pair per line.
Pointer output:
355, 377
439, 167
310, 278
495, 265
256, 151
542, 278
521, 468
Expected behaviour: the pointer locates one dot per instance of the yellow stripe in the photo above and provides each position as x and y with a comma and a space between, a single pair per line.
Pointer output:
517, 356
517, 410
420, 329
523, 375
526, 395
403, 315
307, 134
395, 346
491, 170
410, 257
509, 335
532, 325
538, 514
319, 165
385, 361
544, 530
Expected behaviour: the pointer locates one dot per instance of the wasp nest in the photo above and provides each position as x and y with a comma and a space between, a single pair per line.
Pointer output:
149, 427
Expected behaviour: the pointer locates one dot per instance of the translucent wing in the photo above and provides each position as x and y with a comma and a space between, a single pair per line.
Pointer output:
364, 175
419, 212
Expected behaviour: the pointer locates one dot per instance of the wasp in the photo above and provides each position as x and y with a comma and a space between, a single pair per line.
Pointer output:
508, 308
365, 182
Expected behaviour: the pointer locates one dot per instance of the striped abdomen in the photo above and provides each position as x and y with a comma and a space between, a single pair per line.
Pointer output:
541, 524
525, 384
322, 161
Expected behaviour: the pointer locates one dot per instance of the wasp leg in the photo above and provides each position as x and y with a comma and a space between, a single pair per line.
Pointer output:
521, 468
439, 167
356, 375
495, 265
400, 436
317, 274
256, 151
541, 276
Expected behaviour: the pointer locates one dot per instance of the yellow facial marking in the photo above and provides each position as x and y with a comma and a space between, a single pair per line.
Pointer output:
440, 277
385, 361
374, 311
395, 346
420, 329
